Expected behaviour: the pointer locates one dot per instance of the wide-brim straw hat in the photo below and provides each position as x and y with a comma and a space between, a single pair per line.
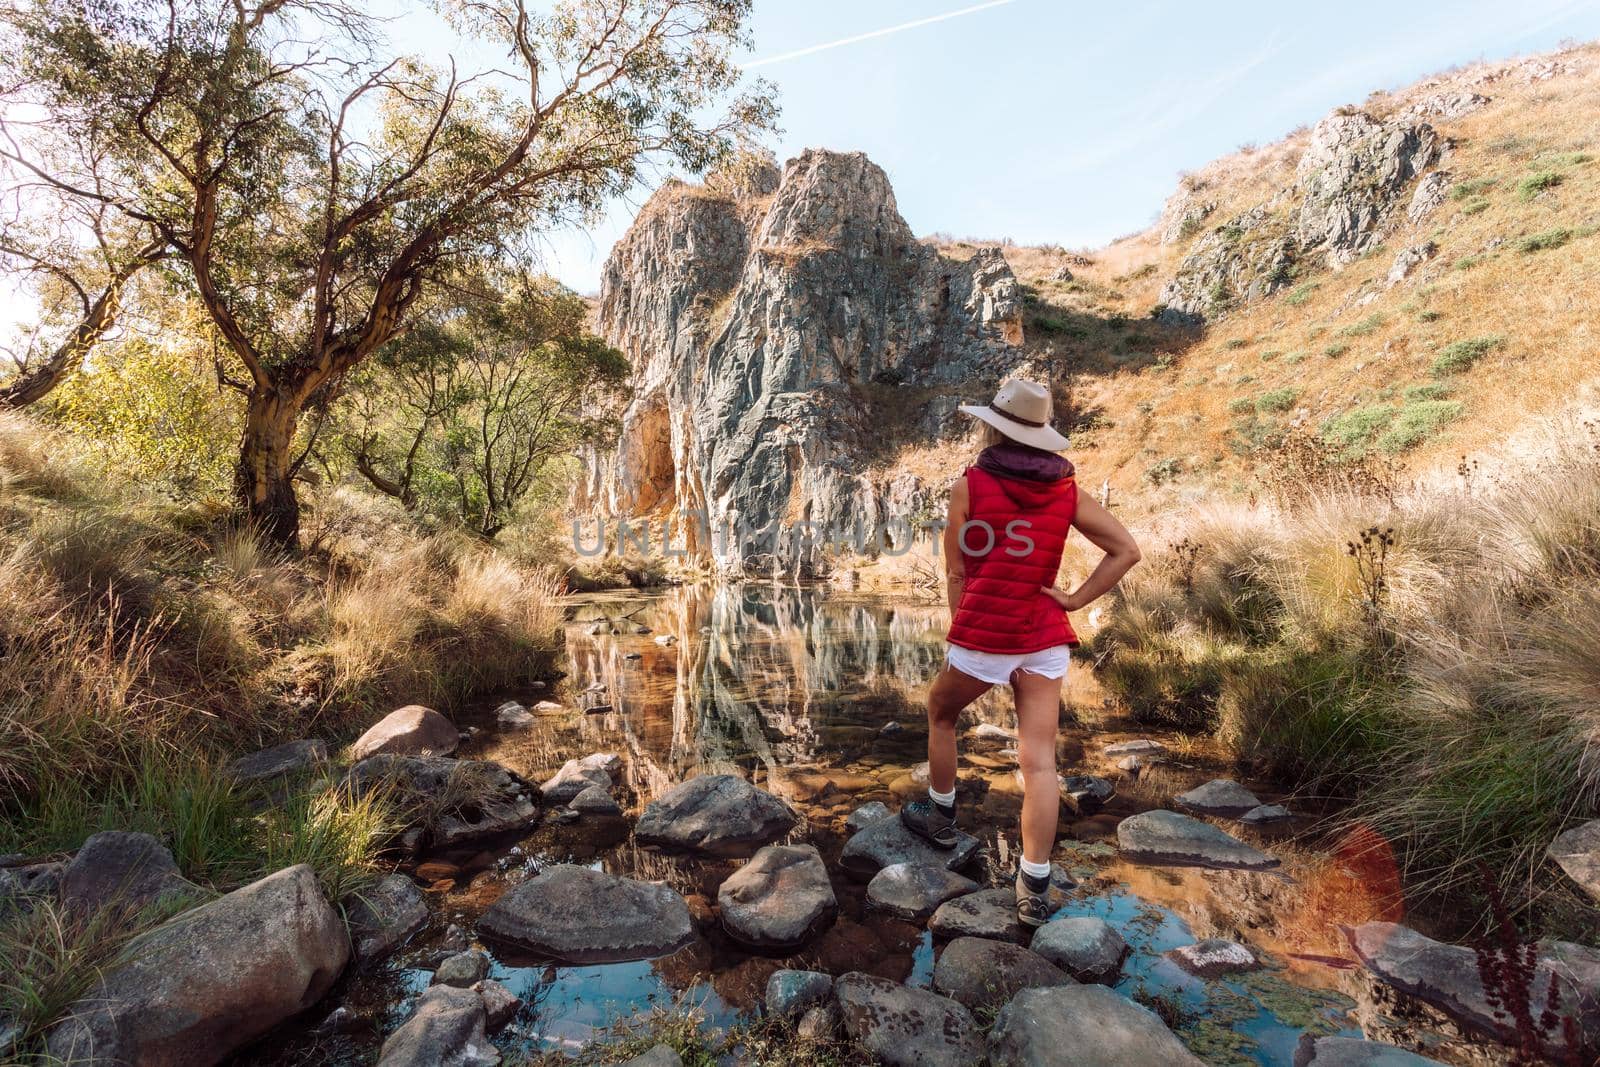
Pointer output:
1021, 411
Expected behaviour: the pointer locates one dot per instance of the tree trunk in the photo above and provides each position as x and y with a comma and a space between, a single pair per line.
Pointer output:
264, 479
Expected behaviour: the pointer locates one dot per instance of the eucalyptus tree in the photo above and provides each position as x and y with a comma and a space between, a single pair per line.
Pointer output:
314, 187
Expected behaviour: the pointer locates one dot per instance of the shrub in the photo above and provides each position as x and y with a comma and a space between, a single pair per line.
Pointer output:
1270, 354
1475, 206
1354, 430
1235, 343
1533, 185
1418, 421
1294, 357
1277, 399
1427, 391
1428, 315
1239, 405
1458, 356
1366, 326
1335, 350
1471, 187
1302, 293
1163, 471
1541, 242
1468, 262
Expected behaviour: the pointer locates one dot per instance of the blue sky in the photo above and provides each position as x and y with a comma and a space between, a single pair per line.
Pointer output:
1045, 120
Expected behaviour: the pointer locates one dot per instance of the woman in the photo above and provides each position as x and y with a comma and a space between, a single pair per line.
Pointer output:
1009, 518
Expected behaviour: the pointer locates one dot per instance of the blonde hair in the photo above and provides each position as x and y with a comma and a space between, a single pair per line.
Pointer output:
989, 435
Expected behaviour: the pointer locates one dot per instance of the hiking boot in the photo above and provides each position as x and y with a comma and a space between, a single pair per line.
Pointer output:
1032, 908
923, 818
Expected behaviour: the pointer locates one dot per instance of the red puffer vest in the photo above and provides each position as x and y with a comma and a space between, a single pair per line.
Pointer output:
1002, 608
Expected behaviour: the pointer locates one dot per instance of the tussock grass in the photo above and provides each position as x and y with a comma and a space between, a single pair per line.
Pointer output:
1455, 706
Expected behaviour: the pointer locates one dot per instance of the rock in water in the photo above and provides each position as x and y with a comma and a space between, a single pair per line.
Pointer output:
1086, 1025
1089, 949
906, 1027
1314, 1051
500, 1005
513, 715
463, 970
1447, 977
584, 916
124, 870
888, 842
747, 354
1167, 839
866, 815
714, 815
780, 899
445, 1030
409, 731
278, 762
595, 801
982, 973
1140, 747
384, 915
1578, 853
792, 993
1220, 797
1266, 815
658, 1056
577, 775
212, 979
1214, 958
991, 913
1086, 794
913, 891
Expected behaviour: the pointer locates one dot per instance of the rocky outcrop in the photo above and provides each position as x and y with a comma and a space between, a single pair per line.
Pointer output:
210, 980
1220, 797
1314, 1051
1214, 958
777, 326
279, 762
990, 913
452, 801
887, 842
586, 916
1350, 182
792, 993
1578, 853
914, 891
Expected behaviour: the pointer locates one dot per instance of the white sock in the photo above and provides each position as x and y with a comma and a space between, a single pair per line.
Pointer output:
1035, 870
947, 799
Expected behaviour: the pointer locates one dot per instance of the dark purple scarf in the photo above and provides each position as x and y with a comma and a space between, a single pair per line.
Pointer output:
1011, 460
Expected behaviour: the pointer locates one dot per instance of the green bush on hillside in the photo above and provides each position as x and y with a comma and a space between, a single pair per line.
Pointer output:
1418, 421
1353, 431
1461, 355
1277, 399
1532, 186
1543, 242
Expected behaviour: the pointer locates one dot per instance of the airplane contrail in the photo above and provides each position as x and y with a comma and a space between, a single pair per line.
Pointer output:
886, 31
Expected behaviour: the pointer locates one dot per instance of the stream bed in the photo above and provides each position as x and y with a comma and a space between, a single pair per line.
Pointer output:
818, 698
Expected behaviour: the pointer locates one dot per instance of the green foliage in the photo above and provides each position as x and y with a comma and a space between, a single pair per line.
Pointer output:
1472, 187
1426, 391
1270, 354
1429, 315
1163, 471
1460, 355
1366, 326
1468, 262
1241, 405
1476, 206
1235, 343
1302, 293
1565, 159
1294, 357
1354, 430
1530, 187
1543, 242
1277, 399
1335, 350
1417, 421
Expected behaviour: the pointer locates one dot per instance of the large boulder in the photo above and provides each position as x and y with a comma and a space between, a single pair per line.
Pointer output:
279, 762
780, 899
990, 913
409, 731
714, 815
383, 915
578, 775
1578, 853
125, 870
1221, 797
211, 979
452, 801
983, 973
1086, 1025
906, 1027
1448, 978
1167, 839
914, 891
888, 842
1314, 1051
792, 993
1352, 175
445, 1030
585, 916
1087, 948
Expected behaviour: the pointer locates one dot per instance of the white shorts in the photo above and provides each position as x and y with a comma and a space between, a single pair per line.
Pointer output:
996, 668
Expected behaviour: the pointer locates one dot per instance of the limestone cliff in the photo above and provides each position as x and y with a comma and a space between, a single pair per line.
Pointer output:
785, 329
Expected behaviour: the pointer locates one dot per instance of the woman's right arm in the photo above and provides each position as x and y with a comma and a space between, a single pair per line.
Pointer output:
955, 563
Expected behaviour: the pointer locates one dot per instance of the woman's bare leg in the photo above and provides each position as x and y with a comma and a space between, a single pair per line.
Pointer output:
1038, 714
951, 693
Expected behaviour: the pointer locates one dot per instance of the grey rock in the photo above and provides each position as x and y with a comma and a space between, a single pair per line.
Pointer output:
780, 899
1214, 958
1432, 190
447, 1029
819, 1023
1314, 1051
1266, 815
1089, 949
914, 891
866, 815
126, 870
279, 762
491, 799
1167, 839
658, 1056
1448, 105
1244, 259
1220, 797
24, 883
211, 979
987, 731
1184, 211
983, 973
1099, 1027
1352, 172
577, 775
891, 729
1447, 978
500, 1005
906, 1027
512, 715
595, 800
791, 993
990, 913
1086, 794
409, 731
383, 916
714, 815
584, 916
464, 969
1139, 747
1577, 852
888, 842
1409, 259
